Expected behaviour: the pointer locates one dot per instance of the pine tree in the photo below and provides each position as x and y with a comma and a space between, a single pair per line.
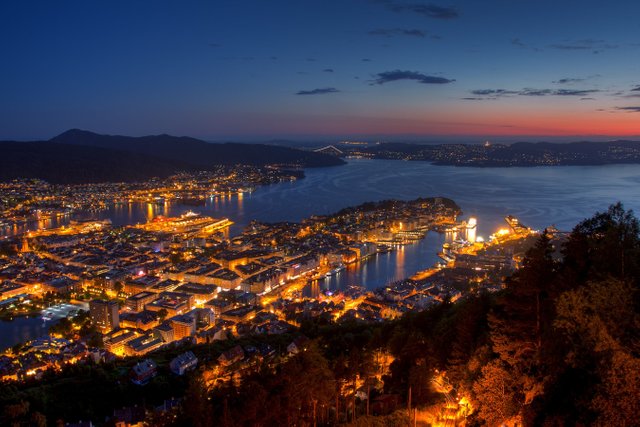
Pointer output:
519, 326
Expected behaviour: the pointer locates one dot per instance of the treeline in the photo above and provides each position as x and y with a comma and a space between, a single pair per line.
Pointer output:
560, 345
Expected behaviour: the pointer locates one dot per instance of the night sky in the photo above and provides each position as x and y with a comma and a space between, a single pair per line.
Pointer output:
323, 69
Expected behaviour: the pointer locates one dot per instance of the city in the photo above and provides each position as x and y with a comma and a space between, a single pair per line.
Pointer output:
172, 283
346, 213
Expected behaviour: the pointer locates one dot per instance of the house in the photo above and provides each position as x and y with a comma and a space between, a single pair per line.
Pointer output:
231, 356
298, 345
216, 333
183, 363
143, 371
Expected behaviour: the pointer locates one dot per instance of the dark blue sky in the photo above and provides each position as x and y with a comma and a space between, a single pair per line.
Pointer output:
332, 69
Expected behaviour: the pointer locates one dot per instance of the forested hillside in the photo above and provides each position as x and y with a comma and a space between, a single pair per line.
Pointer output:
559, 345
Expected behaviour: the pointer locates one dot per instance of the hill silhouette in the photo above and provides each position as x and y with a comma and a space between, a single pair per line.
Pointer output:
78, 156
73, 164
198, 152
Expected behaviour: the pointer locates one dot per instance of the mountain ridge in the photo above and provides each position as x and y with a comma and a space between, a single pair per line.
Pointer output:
79, 156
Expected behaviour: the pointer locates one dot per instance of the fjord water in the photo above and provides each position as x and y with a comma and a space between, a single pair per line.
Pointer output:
539, 197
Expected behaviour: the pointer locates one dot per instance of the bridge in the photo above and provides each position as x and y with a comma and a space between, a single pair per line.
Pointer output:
331, 150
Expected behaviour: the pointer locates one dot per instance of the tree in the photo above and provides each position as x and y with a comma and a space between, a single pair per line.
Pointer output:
602, 326
608, 244
520, 326
197, 403
162, 314
496, 394
118, 287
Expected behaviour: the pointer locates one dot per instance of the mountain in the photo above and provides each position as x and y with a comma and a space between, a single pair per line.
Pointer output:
78, 156
73, 164
199, 153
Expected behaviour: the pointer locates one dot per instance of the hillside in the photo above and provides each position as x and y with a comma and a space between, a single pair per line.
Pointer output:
501, 155
197, 152
72, 164
76, 157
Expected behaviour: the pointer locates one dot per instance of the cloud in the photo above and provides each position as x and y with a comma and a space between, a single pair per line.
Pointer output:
568, 80
429, 10
585, 44
396, 75
522, 45
636, 89
328, 70
571, 92
320, 91
629, 109
391, 32
366, 60
533, 92
493, 92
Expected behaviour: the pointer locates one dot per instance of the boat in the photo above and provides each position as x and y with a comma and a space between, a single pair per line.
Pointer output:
383, 249
446, 257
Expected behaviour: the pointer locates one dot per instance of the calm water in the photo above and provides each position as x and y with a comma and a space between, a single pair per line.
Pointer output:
539, 197
21, 329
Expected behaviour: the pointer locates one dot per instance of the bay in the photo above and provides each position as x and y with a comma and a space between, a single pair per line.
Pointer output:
538, 196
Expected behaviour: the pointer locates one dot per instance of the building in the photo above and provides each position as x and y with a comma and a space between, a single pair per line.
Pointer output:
164, 332
299, 344
240, 314
116, 341
183, 326
231, 356
143, 371
183, 363
143, 344
174, 302
138, 301
104, 314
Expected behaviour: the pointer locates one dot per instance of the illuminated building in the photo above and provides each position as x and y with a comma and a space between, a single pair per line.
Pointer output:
104, 314
183, 326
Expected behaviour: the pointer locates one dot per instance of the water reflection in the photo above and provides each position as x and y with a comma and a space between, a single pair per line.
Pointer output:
537, 196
